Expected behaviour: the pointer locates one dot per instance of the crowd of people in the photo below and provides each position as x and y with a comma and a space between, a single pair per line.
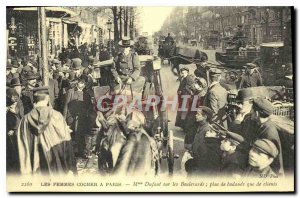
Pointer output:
248, 145
50, 127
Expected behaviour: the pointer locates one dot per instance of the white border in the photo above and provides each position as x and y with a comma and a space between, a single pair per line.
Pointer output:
5, 3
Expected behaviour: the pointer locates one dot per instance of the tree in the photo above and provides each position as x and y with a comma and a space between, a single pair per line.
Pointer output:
120, 22
115, 22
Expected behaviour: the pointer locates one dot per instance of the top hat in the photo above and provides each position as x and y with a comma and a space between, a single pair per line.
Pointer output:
126, 42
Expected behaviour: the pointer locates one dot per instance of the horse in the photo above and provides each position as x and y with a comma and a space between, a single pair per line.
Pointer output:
126, 148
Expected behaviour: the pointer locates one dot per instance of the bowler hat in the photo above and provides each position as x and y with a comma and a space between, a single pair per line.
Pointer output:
126, 42
245, 94
31, 75
15, 82
263, 105
14, 64
266, 146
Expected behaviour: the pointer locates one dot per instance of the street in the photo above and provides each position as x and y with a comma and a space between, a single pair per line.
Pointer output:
170, 86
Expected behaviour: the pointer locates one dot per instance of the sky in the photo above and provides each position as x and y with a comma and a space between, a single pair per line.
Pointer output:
152, 18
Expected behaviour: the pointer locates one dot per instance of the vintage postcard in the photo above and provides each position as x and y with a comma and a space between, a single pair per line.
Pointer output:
150, 99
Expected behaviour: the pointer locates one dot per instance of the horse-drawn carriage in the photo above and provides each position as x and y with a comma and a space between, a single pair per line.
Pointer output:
237, 53
269, 57
211, 39
186, 55
166, 49
152, 116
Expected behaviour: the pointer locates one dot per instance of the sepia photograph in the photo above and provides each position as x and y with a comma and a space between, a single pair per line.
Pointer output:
150, 99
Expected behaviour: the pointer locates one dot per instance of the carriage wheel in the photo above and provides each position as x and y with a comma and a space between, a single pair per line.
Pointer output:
171, 153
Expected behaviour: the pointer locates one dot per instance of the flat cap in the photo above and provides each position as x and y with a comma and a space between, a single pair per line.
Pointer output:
31, 75
263, 105
215, 71
234, 137
266, 146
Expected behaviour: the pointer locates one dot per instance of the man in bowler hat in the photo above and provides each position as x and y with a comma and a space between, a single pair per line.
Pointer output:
126, 67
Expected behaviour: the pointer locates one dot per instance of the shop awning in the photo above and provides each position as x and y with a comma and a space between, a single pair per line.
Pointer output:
58, 10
